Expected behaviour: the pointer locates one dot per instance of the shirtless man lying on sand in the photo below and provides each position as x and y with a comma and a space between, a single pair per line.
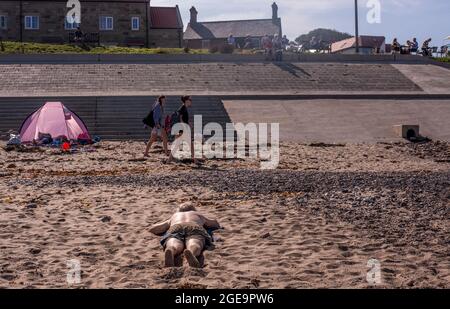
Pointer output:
185, 229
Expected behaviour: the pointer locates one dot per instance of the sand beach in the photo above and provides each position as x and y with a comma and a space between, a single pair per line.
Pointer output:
315, 222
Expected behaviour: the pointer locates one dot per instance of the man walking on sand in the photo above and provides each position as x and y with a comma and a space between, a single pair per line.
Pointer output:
185, 232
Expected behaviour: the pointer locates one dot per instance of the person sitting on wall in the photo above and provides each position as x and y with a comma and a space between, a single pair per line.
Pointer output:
444, 50
414, 46
407, 48
396, 48
426, 52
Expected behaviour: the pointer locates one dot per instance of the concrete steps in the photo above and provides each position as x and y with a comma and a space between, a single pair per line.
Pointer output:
111, 118
109, 80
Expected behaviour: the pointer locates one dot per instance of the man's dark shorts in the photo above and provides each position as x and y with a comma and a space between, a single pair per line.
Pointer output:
183, 232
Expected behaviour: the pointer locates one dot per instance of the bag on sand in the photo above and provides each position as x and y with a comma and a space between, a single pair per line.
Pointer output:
149, 121
13, 140
84, 139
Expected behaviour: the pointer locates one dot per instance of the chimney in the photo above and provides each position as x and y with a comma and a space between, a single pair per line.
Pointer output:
274, 11
194, 14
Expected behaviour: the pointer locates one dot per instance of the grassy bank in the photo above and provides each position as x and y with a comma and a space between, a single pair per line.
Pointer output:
446, 59
40, 48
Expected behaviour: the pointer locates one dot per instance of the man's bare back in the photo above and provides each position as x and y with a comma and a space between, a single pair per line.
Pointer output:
187, 217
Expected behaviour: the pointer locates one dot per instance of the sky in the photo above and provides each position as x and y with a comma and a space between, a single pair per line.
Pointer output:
403, 19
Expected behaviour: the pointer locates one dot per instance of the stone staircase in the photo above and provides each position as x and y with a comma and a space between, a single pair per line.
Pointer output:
216, 79
111, 118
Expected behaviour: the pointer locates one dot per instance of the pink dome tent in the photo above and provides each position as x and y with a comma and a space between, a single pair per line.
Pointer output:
55, 119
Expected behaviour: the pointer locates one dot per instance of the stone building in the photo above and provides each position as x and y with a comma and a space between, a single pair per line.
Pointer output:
115, 22
215, 33
367, 45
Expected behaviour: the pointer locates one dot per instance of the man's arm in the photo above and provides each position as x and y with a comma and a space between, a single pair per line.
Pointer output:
211, 224
160, 228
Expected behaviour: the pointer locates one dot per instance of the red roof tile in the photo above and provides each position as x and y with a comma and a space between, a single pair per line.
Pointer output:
165, 18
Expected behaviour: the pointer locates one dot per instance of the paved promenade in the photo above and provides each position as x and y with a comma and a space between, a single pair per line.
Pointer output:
341, 121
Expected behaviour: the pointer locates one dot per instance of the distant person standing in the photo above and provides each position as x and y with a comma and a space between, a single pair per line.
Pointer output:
78, 34
231, 40
264, 41
277, 48
248, 42
285, 42
266, 44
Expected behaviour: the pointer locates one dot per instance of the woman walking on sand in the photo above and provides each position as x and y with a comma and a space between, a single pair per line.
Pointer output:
183, 117
158, 130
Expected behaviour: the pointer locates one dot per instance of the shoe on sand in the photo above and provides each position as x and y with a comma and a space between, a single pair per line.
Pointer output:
191, 259
168, 259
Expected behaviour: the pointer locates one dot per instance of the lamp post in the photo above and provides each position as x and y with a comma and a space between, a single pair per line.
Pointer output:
21, 21
356, 27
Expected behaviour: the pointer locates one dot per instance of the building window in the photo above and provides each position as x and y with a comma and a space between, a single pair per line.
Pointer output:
256, 43
135, 23
3, 22
106, 23
32, 22
71, 26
